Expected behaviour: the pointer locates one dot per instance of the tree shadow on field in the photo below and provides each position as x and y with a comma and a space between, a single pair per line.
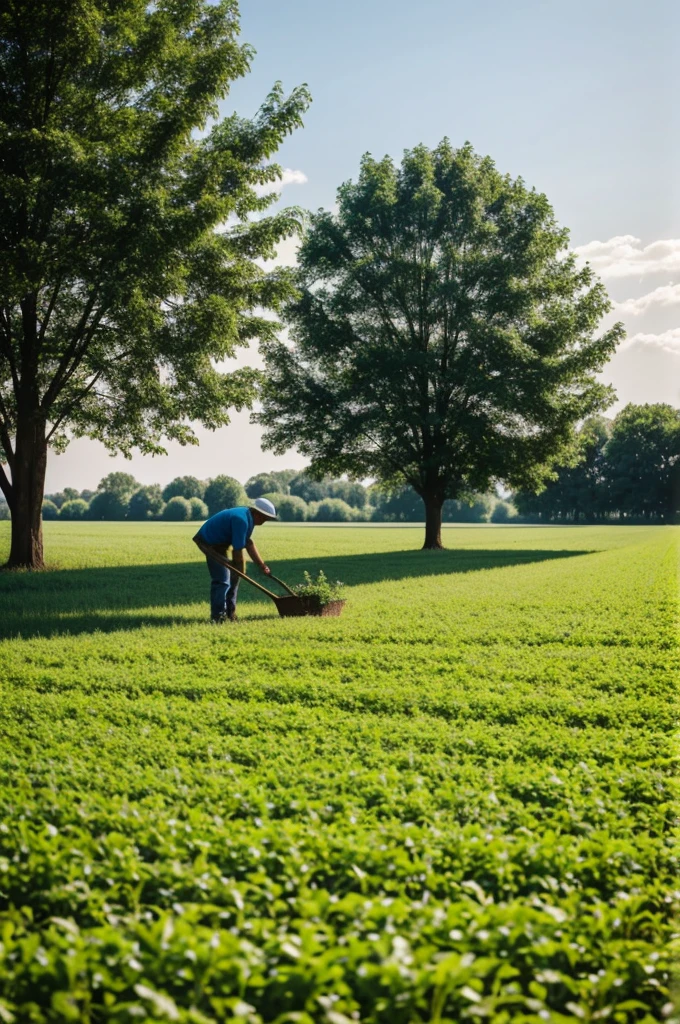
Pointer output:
129, 597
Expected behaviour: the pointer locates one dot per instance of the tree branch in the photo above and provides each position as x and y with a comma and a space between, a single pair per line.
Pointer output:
64, 371
72, 405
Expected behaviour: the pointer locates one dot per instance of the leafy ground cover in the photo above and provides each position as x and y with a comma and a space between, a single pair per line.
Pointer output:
456, 802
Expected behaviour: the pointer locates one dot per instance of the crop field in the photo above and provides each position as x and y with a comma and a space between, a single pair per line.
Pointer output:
456, 802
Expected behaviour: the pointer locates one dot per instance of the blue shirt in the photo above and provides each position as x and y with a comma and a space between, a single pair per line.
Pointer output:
231, 528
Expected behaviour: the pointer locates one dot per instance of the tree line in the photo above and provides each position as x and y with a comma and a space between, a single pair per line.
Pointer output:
624, 470
297, 496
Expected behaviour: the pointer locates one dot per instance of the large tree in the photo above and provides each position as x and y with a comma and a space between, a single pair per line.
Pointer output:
443, 335
120, 283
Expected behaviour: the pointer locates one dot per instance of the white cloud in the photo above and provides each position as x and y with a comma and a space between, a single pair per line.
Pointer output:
288, 177
668, 341
667, 295
625, 256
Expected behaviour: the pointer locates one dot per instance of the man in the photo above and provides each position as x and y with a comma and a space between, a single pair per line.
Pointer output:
232, 528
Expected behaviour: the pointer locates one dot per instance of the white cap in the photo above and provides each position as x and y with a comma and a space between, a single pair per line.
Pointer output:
264, 506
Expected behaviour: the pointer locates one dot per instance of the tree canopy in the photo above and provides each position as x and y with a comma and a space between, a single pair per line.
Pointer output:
129, 259
443, 335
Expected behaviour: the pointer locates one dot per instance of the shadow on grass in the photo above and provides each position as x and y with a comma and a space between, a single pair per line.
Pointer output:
132, 596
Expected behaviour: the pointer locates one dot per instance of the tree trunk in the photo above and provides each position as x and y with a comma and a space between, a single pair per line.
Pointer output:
28, 488
433, 523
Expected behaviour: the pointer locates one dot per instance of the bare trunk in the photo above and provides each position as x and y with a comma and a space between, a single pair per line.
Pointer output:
433, 522
28, 488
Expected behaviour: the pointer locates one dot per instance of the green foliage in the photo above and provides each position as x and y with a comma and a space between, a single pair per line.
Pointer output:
4, 512
643, 462
74, 509
503, 512
177, 510
320, 589
443, 336
291, 509
306, 487
49, 510
578, 492
199, 509
333, 510
121, 484
461, 796
224, 492
122, 289
260, 485
184, 487
107, 505
146, 503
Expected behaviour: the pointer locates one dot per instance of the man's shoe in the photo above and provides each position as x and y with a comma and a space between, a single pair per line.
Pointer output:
232, 616
217, 620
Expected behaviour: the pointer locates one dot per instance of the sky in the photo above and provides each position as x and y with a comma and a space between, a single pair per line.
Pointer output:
578, 97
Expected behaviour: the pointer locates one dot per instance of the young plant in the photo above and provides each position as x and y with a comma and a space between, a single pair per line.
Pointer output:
321, 589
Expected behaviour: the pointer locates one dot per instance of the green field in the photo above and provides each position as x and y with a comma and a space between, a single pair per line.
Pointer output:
454, 803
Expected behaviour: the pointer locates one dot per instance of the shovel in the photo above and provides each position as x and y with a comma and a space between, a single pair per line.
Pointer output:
285, 605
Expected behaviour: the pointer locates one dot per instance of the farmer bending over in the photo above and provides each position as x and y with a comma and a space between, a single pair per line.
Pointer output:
232, 528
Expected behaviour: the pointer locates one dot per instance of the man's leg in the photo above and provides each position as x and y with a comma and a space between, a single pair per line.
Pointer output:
219, 586
232, 595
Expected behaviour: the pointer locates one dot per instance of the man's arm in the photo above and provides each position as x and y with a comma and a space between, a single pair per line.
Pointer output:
256, 557
238, 559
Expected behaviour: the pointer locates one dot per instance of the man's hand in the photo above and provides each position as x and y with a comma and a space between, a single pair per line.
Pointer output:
266, 570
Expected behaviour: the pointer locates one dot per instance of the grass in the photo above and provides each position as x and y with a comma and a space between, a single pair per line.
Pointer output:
456, 802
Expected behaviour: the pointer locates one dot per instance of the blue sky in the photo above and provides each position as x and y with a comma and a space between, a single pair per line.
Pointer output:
579, 98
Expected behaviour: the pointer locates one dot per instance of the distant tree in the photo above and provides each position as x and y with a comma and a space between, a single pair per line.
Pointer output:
118, 483
49, 510
477, 508
57, 498
87, 495
4, 511
353, 493
108, 505
121, 288
333, 510
146, 503
275, 497
503, 512
397, 505
71, 494
199, 509
258, 485
184, 487
74, 510
579, 491
224, 492
643, 462
177, 510
291, 509
306, 487
443, 337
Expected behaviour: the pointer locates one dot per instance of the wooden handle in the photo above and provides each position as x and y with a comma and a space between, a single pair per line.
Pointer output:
217, 557
282, 584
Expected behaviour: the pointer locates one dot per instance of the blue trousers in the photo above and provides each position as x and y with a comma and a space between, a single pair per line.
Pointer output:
223, 589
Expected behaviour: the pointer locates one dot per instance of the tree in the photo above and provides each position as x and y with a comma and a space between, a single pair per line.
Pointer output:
291, 509
224, 492
333, 510
146, 503
643, 462
199, 509
118, 296
306, 487
74, 509
260, 484
177, 510
184, 487
112, 497
443, 336
578, 491
49, 510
